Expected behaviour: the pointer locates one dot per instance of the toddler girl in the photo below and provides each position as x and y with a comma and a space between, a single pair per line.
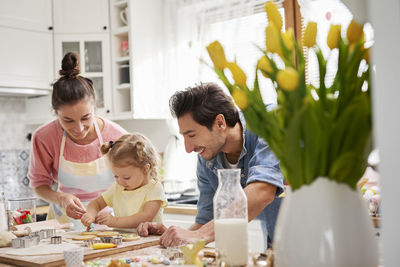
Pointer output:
137, 195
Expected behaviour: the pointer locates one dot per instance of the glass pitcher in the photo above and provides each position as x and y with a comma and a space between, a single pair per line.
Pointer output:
231, 218
3, 214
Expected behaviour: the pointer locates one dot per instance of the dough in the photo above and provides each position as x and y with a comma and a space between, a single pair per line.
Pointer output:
83, 237
90, 233
5, 238
129, 237
107, 233
41, 249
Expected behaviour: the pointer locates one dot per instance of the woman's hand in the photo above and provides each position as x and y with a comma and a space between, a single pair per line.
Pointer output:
153, 228
106, 219
87, 219
72, 205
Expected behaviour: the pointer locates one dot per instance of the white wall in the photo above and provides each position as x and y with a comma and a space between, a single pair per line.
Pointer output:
385, 17
155, 130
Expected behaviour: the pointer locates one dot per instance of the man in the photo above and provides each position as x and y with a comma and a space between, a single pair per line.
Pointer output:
213, 127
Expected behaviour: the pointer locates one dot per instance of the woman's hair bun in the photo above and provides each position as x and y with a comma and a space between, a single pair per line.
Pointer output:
70, 65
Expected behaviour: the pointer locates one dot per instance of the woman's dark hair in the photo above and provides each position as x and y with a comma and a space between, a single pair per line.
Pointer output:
205, 102
70, 88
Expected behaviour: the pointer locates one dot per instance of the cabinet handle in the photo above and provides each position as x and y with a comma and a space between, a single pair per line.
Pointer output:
50, 28
107, 111
104, 27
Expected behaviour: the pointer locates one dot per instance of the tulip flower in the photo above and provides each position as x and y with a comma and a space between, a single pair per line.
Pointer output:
366, 55
333, 36
309, 34
288, 39
354, 32
272, 39
238, 75
217, 55
241, 99
273, 14
264, 65
288, 79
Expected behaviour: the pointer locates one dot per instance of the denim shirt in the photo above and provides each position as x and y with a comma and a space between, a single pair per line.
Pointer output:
257, 163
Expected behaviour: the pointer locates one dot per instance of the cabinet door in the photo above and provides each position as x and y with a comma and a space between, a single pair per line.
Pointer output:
26, 14
80, 16
26, 59
93, 50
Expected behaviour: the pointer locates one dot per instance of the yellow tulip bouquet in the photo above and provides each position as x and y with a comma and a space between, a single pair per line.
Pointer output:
314, 131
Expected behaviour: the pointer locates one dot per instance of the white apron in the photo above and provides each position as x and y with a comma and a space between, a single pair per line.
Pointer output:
84, 180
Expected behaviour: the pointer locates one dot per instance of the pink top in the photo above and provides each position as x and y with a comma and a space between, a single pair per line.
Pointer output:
45, 152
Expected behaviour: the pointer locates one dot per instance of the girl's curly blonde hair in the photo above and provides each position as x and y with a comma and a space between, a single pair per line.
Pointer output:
133, 149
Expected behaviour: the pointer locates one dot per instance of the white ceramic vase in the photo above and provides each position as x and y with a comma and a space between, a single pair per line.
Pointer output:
325, 224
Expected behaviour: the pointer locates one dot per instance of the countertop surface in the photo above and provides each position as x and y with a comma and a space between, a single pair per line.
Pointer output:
173, 209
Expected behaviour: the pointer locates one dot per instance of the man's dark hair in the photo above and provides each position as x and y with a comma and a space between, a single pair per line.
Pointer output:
205, 102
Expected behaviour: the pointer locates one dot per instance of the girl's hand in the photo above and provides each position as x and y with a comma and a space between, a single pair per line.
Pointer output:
87, 219
72, 205
106, 219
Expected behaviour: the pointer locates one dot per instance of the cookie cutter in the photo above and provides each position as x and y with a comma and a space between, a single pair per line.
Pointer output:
25, 242
110, 239
56, 239
47, 233
106, 239
91, 242
117, 241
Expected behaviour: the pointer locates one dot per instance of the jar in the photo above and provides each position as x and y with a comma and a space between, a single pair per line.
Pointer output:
231, 219
21, 211
3, 214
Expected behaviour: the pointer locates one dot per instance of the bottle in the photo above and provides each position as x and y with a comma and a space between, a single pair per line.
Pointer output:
3, 213
231, 218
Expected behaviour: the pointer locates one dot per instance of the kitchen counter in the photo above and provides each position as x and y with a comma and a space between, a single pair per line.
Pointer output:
48, 255
172, 209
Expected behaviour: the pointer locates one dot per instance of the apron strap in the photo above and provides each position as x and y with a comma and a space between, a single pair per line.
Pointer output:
63, 144
97, 129
98, 133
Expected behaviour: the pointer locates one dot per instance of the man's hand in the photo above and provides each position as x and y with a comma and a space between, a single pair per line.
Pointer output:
106, 219
151, 228
72, 205
177, 236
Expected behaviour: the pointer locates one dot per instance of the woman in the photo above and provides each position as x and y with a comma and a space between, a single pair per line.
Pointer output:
67, 150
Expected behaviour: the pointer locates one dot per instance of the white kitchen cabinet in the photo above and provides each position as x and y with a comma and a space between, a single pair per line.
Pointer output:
93, 50
142, 95
26, 52
80, 16
26, 59
26, 14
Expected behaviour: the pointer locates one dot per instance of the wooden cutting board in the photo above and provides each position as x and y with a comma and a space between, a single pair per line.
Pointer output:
58, 259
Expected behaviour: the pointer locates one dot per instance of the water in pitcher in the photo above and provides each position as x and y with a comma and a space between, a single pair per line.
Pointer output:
231, 240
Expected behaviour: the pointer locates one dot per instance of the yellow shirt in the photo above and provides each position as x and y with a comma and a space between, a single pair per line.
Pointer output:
126, 203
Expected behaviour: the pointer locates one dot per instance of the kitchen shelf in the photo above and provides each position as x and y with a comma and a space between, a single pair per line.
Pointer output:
122, 59
121, 3
124, 86
121, 31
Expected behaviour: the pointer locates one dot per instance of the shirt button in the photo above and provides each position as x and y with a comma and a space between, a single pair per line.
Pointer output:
242, 175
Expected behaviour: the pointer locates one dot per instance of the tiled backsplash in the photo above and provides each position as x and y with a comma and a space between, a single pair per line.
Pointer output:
13, 169
14, 148
13, 123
